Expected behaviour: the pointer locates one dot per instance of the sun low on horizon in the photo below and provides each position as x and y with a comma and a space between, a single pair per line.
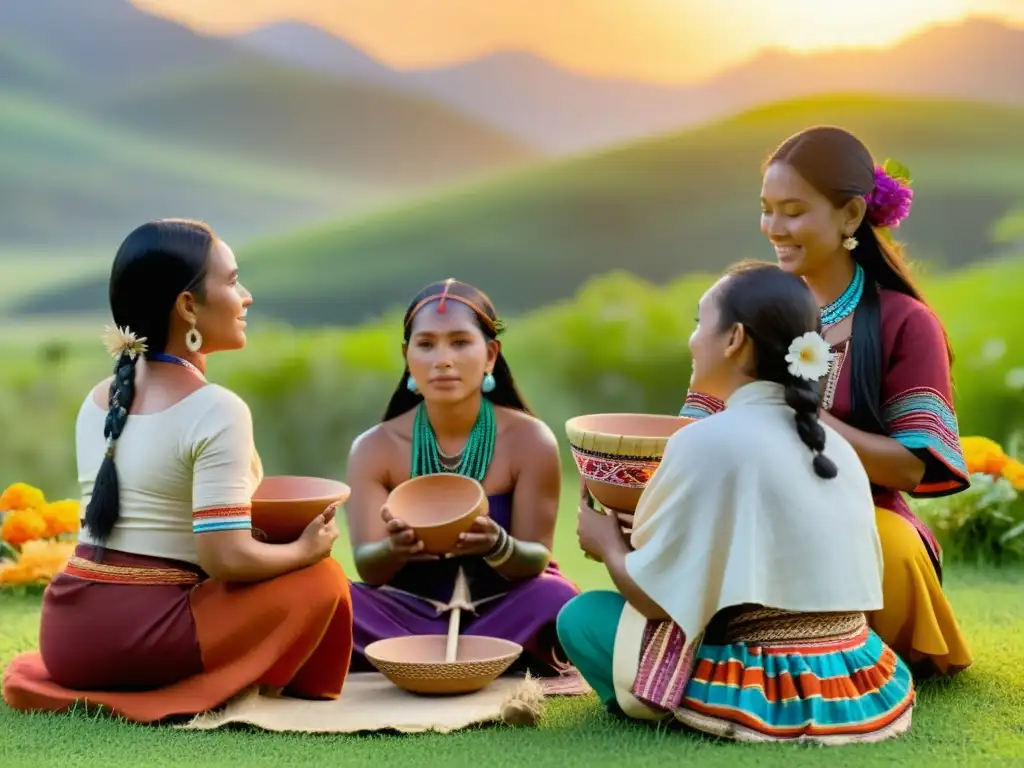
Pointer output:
654, 40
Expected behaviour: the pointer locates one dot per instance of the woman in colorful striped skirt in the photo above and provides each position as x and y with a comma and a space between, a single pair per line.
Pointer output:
169, 606
828, 210
753, 557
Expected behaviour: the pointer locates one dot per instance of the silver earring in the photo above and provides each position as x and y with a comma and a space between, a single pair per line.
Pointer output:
850, 242
194, 339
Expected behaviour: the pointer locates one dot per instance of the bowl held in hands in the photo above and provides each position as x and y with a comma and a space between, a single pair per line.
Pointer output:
438, 508
616, 453
283, 505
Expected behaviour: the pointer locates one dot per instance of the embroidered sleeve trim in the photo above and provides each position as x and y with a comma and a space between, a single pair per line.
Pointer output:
233, 518
922, 419
698, 406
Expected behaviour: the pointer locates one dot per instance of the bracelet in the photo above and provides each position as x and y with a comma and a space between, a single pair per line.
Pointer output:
503, 551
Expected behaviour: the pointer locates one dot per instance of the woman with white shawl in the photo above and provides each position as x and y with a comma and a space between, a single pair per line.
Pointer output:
753, 554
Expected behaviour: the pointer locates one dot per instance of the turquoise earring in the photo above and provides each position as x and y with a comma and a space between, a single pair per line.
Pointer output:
410, 384
488, 383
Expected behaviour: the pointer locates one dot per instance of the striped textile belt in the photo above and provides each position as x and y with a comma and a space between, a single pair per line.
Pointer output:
765, 626
110, 573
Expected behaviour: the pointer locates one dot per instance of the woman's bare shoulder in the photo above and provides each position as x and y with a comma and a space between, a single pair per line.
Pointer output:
379, 442
525, 431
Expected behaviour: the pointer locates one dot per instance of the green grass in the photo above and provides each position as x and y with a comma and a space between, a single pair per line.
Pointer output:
659, 208
974, 719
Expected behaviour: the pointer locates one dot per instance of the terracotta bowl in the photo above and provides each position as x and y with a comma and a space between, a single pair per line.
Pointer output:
416, 663
616, 453
438, 507
283, 505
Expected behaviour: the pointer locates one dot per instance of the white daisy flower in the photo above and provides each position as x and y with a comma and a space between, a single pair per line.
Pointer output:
809, 356
121, 340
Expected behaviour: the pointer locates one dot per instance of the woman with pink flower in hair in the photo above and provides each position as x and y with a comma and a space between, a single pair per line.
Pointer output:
828, 209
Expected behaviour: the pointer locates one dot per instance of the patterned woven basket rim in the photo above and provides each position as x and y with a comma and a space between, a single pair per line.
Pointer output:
439, 670
609, 444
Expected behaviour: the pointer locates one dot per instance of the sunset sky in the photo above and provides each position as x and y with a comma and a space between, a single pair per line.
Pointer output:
656, 40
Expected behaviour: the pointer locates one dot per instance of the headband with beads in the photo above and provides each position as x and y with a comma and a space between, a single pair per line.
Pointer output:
496, 326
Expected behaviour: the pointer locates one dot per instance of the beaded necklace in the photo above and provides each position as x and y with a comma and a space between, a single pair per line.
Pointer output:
428, 459
164, 357
843, 307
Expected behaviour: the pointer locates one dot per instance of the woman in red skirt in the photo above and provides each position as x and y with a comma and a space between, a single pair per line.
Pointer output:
169, 606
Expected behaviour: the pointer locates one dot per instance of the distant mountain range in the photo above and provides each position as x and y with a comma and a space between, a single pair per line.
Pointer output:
560, 111
109, 116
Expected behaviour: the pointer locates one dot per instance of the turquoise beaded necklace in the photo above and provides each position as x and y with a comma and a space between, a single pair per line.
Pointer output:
843, 307
476, 455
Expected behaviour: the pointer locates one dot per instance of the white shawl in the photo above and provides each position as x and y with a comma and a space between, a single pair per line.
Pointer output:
735, 514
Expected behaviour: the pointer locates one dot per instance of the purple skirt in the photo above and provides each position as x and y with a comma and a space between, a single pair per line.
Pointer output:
524, 614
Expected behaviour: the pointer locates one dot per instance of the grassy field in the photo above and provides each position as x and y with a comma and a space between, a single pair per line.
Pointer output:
972, 720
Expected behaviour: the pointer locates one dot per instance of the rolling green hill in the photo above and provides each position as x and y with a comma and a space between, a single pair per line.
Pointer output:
110, 116
68, 180
659, 208
367, 135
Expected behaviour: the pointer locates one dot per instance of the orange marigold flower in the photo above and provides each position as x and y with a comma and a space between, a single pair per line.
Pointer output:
22, 525
21, 496
1014, 472
983, 455
39, 562
61, 517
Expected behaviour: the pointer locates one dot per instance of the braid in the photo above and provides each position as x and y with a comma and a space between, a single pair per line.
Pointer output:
803, 397
104, 505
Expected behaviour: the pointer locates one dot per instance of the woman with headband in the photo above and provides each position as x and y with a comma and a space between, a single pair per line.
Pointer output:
828, 210
457, 409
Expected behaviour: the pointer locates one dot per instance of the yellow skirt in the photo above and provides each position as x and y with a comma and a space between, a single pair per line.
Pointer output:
917, 621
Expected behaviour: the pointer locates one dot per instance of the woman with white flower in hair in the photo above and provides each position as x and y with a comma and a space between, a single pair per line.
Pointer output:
829, 212
754, 556
169, 605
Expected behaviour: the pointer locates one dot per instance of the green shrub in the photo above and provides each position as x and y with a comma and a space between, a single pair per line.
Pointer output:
620, 344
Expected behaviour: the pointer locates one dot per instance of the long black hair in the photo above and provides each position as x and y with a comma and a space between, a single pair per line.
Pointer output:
840, 167
774, 308
155, 264
505, 392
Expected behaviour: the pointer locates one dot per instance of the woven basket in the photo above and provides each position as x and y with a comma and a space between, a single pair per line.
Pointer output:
416, 664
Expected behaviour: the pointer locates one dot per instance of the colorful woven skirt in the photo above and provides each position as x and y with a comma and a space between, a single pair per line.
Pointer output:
759, 675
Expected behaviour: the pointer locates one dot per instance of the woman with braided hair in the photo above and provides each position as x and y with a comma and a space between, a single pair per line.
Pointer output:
457, 409
754, 556
169, 605
828, 210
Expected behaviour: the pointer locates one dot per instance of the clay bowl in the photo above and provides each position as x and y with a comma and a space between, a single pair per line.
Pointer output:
416, 663
616, 453
438, 507
283, 505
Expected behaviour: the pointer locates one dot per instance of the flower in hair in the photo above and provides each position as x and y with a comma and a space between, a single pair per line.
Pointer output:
889, 202
809, 356
121, 341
